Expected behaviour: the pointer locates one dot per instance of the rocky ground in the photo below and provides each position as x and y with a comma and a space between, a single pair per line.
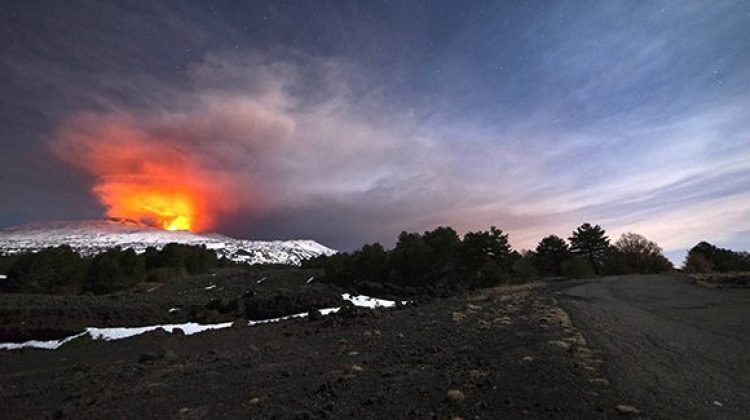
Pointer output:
222, 296
509, 352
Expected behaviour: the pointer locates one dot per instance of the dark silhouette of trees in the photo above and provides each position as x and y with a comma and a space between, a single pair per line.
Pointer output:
7, 261
705, 257
633, 253
551, 253
523, 265
485, 257
697, 263
591, 243
115, 270
440, 261
52, 270
60, 270
437, 260
105, 274
444, 244
410, 260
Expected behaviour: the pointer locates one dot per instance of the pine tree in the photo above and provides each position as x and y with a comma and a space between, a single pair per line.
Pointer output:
591, 243
551, 252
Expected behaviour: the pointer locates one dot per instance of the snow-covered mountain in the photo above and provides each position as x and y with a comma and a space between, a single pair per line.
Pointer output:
91, 237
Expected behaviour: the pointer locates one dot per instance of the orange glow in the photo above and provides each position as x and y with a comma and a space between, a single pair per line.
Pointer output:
150, 180
169, 210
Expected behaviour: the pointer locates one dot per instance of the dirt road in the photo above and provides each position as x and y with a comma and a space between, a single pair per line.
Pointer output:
675, 349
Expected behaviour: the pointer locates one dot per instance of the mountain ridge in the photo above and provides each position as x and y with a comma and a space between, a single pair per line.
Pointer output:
90, 237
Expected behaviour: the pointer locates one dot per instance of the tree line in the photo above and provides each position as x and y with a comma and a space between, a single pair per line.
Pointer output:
440, 259
61, 270
708, 258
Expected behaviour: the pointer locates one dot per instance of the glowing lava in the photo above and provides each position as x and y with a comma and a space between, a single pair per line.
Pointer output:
166, 209
171, 204
141, 177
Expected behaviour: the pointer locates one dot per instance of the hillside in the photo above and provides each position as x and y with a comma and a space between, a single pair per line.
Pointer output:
95, 236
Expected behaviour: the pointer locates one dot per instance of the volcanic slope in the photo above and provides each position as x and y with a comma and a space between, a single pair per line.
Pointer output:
499, 353
92, 237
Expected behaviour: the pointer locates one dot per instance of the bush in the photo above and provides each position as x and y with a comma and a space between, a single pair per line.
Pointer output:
578, 268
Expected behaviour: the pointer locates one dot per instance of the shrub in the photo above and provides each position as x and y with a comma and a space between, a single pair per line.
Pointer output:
578, 268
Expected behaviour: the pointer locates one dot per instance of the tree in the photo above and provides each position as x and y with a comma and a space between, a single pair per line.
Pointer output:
591, 243
410, 260
633, 253
551, 252
199, 259
697, 263
443, 243
523, 266
58, 270
133, 265
485, 256
370, 263
719, 259
105, 274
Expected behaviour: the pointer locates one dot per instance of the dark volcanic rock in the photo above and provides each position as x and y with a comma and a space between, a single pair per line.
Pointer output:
357, 363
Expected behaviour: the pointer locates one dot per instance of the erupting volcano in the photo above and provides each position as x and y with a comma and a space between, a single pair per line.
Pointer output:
141, 176
165, 208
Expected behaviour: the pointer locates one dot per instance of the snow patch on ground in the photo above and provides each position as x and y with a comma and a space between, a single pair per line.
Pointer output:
48, 345
119, 333
370, 302
108, 334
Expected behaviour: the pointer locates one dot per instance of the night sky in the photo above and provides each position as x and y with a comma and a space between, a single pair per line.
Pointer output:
347, 122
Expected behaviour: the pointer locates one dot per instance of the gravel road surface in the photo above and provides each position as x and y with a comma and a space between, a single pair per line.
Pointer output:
676, 350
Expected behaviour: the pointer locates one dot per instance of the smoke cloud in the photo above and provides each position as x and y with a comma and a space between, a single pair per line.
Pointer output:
176, 170
247, 142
